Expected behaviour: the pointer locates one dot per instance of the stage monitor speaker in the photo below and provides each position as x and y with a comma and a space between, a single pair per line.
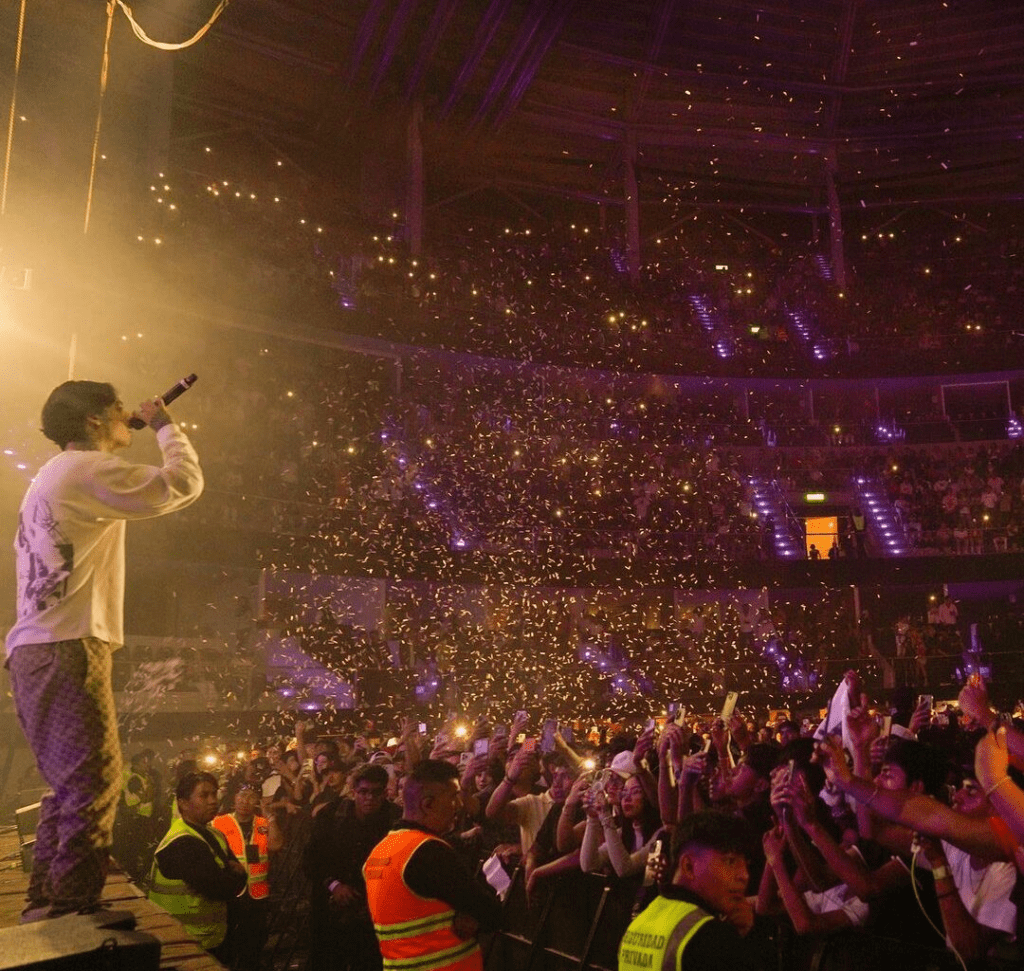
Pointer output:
97, 942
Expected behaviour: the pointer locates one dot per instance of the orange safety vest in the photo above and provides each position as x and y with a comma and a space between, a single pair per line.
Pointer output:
257, 885
415, 933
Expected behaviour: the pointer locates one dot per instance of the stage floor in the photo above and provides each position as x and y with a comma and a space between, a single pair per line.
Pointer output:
177, 949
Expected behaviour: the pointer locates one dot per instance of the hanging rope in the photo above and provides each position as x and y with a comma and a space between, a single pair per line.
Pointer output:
105, 70
146, 39
14, 100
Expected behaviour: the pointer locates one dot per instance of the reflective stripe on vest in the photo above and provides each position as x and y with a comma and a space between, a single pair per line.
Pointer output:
206, 920
415, 933
256, 885
436, 959
658, 936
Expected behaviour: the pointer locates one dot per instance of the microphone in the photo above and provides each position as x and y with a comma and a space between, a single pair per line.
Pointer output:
168, 396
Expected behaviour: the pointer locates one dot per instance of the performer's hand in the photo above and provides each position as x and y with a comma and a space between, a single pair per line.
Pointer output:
154, 414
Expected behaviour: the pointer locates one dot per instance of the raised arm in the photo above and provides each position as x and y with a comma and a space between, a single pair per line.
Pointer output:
991, 762
969, 938
668, 772
805, 921
499, 804
912, 810
568, 835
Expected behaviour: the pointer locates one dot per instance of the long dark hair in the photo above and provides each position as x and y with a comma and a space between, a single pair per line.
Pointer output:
650, 818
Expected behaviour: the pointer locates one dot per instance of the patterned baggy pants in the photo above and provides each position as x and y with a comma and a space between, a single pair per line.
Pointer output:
65, 703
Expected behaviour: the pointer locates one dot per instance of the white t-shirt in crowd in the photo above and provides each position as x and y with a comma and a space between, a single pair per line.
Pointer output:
986, 892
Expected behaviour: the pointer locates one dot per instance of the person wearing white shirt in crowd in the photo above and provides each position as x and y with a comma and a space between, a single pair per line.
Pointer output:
974, 893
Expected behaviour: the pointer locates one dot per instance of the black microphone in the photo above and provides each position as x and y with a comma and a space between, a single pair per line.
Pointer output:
168, 396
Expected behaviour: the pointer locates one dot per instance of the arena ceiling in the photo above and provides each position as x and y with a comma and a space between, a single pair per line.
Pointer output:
728, 102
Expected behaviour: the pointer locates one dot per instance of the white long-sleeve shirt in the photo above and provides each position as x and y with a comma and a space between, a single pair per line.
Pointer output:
69, 548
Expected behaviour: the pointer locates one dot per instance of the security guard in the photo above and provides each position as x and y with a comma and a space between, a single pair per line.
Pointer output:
139, 793
425, 904
195, 873
704, 913
133, 833
252, 839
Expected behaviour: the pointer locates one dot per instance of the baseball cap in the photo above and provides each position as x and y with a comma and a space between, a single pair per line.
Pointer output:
623, 765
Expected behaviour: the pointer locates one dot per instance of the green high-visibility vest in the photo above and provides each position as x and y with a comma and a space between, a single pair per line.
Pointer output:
134, 803
657, 937
206, 920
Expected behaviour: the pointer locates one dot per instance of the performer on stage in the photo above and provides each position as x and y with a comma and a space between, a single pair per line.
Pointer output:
70, 565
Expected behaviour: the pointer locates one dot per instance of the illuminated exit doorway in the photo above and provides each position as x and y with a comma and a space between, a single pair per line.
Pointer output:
821, 531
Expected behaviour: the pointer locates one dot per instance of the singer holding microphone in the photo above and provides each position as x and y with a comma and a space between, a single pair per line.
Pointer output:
70, 567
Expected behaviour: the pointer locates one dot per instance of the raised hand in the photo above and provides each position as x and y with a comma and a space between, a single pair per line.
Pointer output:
829, 753
878, 749
577, 792
738, 728
519, 724
482, 729
774, 842
719, 734
406, 728
519, 762
991, 758
854, 687
801, 801
779, 796
695, 764
595, 802
669, 737
861, 725
974, 703
922, 716
644, 744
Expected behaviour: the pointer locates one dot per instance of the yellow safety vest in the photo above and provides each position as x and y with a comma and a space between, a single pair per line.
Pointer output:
134, 803
206, 920
656, 938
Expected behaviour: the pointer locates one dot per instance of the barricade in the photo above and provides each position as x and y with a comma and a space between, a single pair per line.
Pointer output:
574, 922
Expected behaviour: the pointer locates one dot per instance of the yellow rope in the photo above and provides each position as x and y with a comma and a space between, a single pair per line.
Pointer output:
104, 70
14, 99
146, 39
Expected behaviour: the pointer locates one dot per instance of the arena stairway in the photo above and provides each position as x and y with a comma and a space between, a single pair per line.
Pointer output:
883, 522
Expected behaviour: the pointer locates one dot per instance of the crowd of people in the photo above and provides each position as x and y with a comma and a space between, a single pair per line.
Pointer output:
358, 463
815, 852
525, 463
713, 296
